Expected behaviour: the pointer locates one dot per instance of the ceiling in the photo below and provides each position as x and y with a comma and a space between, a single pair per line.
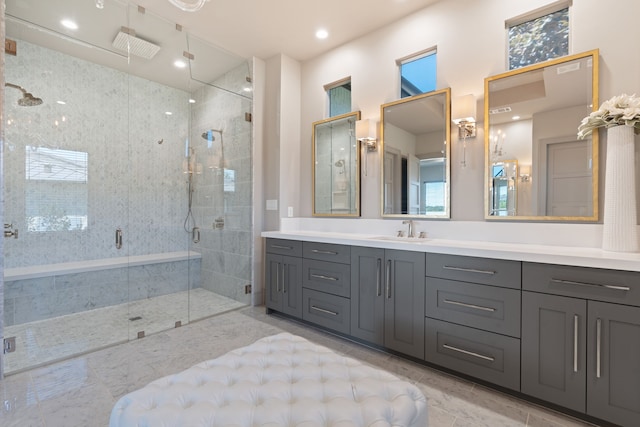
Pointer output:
221, 36
264, 28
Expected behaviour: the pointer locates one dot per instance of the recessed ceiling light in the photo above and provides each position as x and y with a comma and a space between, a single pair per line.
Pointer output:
516, 117
68, 23
192, 101
322, 34
168, 113
61, 102
179, 63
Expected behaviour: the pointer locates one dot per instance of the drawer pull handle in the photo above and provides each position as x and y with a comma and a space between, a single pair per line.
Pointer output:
320, 276
316, 251
593, 285
598, 347
388, 279
322, 310
468, 270
282, 247
378, 278
470, 353
463, 304
575, 342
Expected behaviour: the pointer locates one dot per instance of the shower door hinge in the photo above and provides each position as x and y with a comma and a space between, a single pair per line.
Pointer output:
10, 47
188, 55
247, 289
247, 117
9, 345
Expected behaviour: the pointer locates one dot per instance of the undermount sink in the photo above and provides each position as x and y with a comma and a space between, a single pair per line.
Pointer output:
403, 239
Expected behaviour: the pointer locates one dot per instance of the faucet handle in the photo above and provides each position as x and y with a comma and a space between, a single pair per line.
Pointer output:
423, 235
400, 233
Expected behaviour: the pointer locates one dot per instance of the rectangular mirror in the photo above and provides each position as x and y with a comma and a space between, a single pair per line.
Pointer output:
536, 168
336, 166
415, 162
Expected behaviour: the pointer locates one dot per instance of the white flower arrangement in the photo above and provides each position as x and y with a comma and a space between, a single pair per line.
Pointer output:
621, 110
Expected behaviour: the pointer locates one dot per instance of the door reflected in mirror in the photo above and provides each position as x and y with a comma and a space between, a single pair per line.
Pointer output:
336, 166
536, 168
415, 161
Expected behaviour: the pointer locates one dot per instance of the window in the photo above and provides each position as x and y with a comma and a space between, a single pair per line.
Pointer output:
539, 36
56, 189
417, 73
339, 98
434, 197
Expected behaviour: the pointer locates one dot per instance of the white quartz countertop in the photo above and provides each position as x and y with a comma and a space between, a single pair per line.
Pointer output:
563, 255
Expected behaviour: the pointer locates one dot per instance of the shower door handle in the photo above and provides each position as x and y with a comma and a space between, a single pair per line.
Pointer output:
118, 238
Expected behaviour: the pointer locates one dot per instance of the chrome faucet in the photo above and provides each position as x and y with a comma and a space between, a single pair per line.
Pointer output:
410, 232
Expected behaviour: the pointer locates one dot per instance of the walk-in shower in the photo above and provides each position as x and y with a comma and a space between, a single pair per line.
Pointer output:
102, 256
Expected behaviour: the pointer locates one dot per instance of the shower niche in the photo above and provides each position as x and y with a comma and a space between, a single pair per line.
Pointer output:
336, 167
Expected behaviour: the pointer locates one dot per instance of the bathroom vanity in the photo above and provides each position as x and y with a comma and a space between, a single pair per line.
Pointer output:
548, 323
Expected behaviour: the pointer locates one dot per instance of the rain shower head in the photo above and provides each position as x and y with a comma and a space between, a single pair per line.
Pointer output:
27, 100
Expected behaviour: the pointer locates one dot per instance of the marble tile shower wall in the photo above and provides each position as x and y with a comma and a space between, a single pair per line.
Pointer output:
226, 252
133, 181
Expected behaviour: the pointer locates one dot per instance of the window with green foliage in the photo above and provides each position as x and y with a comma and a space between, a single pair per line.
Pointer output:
56, 189
418, 74
537, 40
339, 99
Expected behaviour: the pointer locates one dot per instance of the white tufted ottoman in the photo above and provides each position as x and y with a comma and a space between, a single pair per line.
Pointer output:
278, 381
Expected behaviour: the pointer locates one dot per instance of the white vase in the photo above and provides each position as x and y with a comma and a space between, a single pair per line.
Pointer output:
620, 231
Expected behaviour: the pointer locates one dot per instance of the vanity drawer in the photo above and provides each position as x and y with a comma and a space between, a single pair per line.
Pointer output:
484, 307
622, 287
484, 355
329, 277
284, 247
327, 310
327, 252
496, 272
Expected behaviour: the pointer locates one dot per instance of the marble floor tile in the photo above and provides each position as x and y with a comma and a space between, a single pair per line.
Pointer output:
46, 341
82, 390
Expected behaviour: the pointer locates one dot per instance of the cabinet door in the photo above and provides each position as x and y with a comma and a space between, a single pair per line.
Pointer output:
291, 286
367, 301
613, 377
553, 349
273, 272
404, 290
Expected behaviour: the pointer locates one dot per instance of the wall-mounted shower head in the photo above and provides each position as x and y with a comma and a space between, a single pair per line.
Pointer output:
27, 100
208, 134
340, 163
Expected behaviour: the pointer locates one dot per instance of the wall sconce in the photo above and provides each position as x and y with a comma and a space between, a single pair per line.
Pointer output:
525, 173
366, 134
464, 116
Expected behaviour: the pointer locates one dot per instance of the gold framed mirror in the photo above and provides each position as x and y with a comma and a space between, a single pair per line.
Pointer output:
336, 166
416, 135
532, 116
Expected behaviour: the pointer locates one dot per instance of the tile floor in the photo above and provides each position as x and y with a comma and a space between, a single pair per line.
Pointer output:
81, 391
45, 341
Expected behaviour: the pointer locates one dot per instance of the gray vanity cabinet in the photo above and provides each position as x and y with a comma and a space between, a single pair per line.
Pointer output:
581, 334
283, 276
554, 338
613, 375
367, 301
387, 298
473, 314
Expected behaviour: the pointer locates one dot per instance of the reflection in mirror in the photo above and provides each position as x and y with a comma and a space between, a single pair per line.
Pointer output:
415, 162
531, 148
336, 166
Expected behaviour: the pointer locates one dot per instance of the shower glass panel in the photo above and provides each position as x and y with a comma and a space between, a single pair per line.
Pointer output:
129, 221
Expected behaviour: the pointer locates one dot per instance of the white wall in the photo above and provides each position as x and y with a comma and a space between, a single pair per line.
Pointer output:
470, 37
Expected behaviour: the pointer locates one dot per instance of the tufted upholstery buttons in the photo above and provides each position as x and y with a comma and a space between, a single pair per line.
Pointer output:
278, 381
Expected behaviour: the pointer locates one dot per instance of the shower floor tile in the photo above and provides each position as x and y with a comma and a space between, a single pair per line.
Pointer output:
42, 342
